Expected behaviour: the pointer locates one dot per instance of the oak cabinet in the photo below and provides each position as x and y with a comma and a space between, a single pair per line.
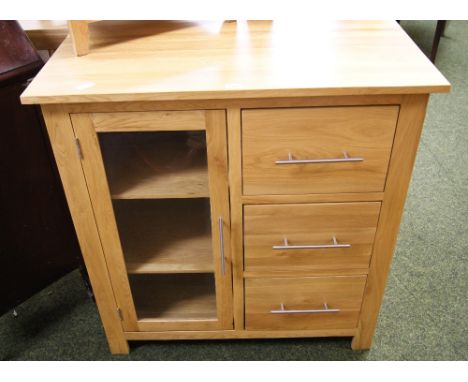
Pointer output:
218, 192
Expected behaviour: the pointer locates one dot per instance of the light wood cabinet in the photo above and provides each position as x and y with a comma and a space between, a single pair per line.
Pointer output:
217, 196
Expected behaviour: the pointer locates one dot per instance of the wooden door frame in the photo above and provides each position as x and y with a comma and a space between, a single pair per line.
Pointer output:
217, 147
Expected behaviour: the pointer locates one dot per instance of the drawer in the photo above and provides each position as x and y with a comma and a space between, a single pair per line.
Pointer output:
309, 236
316, 150
303, 303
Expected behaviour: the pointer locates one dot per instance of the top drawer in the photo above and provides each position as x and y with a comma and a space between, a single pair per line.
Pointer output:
316, 150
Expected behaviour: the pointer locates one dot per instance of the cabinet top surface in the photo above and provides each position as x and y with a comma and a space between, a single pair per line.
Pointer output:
163, 60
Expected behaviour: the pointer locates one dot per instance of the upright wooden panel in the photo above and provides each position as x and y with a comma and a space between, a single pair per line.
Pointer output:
80, 36
216, 144
102, 206
235, 182
63, 144
405, 146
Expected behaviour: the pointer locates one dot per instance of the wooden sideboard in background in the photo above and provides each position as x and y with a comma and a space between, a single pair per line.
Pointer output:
38, 243
45, 34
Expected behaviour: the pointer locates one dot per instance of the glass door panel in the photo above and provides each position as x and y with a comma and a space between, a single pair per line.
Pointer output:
151, 165
174, 297
166, 223
165, 235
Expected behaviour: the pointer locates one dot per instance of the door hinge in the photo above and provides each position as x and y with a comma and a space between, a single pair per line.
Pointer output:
119, 313
78, 148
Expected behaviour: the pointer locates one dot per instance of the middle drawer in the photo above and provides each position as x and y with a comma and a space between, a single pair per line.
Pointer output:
291, 237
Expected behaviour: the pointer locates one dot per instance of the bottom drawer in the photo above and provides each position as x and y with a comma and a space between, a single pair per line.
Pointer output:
303, 303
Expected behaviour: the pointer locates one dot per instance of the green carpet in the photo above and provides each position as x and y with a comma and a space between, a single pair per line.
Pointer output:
424, 314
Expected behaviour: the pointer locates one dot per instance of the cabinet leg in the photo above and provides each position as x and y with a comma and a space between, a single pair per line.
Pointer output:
357, 345
362, 340
118, 346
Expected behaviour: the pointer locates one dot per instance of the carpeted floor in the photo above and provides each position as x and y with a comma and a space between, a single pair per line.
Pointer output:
424, 314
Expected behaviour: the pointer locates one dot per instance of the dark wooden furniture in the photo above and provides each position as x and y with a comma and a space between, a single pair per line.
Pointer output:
440, 28
38, 244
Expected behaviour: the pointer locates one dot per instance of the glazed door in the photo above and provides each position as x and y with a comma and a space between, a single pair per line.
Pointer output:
159, 189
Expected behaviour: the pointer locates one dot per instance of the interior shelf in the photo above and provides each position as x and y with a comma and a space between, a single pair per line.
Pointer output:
165, 236
151, 165
174, 297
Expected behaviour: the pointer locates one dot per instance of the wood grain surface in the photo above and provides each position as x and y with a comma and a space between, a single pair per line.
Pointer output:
164, 60
263, 295
309, 224
269, 135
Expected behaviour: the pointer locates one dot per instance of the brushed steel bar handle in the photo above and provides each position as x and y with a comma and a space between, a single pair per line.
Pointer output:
335, 244
346, 158
221, 244
283, 310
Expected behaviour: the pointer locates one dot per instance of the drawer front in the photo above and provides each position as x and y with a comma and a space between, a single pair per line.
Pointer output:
303, 303
316, 150
309, 236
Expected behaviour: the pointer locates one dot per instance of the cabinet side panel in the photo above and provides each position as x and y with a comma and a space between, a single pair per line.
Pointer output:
99, 193
410, 122
63, 144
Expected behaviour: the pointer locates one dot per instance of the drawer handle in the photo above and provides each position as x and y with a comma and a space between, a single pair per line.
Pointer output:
335, 244
294, 311
346, 158
221, 244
